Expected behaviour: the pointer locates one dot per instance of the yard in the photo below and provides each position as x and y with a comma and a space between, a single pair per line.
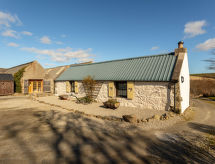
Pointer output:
31, 132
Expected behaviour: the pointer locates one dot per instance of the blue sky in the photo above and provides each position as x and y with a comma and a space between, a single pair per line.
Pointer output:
71, 31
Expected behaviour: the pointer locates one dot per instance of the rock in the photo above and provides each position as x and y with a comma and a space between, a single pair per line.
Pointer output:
156, 117
142, 120
98, 116
138, 120
63, 97
171, 114
130, 118
89, 115
164, 117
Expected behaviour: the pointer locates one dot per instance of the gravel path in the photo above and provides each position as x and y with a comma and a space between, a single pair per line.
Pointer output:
31, 132
97, 109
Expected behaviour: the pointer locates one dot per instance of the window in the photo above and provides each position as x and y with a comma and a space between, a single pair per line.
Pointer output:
46, 86
34, 85
121, 89
39, 86
72, 84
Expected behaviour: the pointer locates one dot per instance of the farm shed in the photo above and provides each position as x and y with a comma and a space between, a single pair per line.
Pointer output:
35, 78
155, 82
6, 84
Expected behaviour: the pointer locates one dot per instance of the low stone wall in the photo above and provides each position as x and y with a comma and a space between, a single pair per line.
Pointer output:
149, 95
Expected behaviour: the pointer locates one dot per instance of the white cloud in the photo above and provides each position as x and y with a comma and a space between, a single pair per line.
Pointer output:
207, 45
63, 55
12, 44
59, 42
192, 29
10, 33
45, 40
26, 33
6, 19
155, 48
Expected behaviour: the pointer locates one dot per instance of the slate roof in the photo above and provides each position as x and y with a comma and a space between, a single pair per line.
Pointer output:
53, 73
6, 77
145, 68
15, 69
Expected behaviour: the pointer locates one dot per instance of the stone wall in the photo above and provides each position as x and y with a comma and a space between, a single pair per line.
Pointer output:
60, 88
149, 95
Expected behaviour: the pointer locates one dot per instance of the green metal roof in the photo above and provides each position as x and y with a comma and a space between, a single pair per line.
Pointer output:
145, 68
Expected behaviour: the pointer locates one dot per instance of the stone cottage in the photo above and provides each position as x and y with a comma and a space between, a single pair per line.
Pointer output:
6, 84
35, 78
155, 82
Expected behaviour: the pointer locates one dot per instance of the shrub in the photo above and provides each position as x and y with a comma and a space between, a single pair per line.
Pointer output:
84, 100
89, 86
17, 80
202, 87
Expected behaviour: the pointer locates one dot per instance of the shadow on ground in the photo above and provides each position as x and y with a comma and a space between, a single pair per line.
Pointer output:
72, 138
208, 129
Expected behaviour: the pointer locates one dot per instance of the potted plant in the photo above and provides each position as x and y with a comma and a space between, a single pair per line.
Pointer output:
111, 103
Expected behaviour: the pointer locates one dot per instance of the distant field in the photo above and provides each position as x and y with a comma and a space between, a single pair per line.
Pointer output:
205, 75
203, 84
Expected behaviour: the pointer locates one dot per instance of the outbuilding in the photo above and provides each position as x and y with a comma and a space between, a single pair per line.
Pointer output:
154, 82
36, 79
6, 84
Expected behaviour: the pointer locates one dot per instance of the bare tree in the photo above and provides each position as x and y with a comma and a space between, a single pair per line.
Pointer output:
211, 61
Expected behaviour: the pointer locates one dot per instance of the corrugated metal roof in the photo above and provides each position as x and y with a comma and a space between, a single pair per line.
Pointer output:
146, 68
6, 77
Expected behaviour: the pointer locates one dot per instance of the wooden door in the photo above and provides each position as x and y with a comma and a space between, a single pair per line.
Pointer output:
35, 86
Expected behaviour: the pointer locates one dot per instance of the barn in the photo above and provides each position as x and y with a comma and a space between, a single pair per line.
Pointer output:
6, 84
154, 82
35, 78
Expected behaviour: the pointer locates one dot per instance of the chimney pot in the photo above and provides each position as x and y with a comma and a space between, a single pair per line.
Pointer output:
180, 44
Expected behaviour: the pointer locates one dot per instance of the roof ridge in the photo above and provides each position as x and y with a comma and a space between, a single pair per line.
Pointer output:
108, 61
55, 67
20, 65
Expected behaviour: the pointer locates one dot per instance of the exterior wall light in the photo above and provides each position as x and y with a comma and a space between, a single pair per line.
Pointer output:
182, 79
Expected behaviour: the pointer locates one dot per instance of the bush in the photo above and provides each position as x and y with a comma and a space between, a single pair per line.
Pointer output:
84, 100
89, 86
202, 87
17, 80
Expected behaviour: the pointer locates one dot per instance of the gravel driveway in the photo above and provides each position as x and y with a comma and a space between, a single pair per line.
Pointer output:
31, 132
98, 109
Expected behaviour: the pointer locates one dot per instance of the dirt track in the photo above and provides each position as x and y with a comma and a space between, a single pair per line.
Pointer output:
33, 133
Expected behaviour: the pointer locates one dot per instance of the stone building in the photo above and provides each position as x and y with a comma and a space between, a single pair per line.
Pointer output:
155, 82
35, 78
6, 84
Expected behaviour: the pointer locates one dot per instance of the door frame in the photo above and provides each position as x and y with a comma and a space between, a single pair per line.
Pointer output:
31, 85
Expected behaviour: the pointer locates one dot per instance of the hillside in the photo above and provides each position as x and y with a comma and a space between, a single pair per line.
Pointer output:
206, 75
